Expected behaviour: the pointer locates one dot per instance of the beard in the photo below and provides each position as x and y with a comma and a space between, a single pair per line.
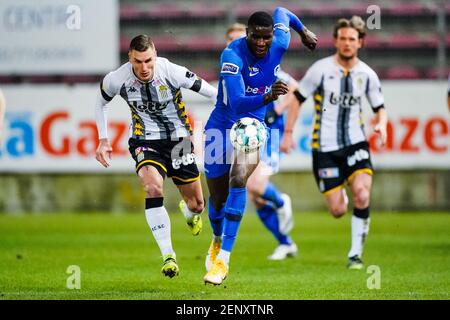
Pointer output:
346, 57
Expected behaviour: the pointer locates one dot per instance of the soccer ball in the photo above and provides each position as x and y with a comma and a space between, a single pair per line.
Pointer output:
248, 134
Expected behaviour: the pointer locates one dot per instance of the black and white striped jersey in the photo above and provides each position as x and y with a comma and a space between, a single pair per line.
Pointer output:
157, 107
337, 98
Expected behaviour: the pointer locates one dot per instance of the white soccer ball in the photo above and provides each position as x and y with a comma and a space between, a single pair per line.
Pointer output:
248, 134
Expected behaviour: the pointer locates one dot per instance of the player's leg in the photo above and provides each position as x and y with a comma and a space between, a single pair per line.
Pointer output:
151, 170
218, 190
181, 167
242, 167
157, 217
218, 157
192, 205
262, 193
330, 179
360, 185
358, 172
337, 201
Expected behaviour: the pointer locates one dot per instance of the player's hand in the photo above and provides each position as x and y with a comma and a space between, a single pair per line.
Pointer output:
104, 152
287, 143
279, 88
309, 39
381, 130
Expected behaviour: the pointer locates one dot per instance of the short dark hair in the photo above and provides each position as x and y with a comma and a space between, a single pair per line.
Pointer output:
260, 19
355, 22
141, 43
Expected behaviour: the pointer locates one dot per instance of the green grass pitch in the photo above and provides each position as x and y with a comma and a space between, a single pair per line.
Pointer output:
119, 259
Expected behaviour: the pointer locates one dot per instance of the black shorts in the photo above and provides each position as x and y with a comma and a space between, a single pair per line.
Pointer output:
172, 158
332, 169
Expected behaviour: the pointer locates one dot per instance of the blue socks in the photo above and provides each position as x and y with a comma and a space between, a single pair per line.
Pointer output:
272, 194
216, 219
234, 210
269, 217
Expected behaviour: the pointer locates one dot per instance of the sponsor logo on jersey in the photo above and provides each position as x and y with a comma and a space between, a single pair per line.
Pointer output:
253, 71
281, 26
189, 74
260, 90
185, 160
229, 68
359, 155
150, 106
326, 173
345, 100
139, 150
276, 70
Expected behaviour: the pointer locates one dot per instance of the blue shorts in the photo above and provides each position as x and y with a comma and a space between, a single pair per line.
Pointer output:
218, 152
271, 151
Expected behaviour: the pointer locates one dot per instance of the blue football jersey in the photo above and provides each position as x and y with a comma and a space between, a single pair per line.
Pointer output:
244, 79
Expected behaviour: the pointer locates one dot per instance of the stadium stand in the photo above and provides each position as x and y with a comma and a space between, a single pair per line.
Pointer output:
191, 33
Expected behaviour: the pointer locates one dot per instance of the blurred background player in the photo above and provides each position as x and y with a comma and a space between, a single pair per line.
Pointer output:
160, 136
2, 113
340, 148
448, 94
273, 207
249, 67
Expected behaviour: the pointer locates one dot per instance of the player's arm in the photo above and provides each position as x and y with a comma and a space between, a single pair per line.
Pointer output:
285, 19
182, 77
231, 71
381, 120
289, 98
2, 113
448, 93
240, 103
104, 149
448, 99
204, 88
376, 100
294, 102
306, 87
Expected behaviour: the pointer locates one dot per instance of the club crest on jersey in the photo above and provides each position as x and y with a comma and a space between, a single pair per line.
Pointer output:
359, 82
326, 173
230, 68
163, 93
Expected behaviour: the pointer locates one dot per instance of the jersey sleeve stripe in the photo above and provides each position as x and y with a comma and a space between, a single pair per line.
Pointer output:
299, 96
197, 85
104, 94
376, 109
